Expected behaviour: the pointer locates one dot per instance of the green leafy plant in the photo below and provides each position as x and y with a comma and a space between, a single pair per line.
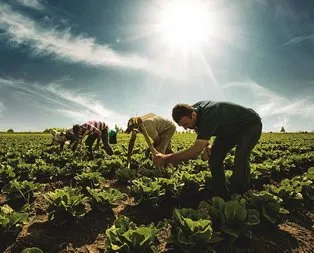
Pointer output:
9, 219
195, 182
309, 189
125, 175
171, 186
91, 179
104, 199
32, 250
268, 205
66, 203
232, 217
147, 190
125, 236
31, 155
17, 190
6, 174
191, 233
293, 189
42, 171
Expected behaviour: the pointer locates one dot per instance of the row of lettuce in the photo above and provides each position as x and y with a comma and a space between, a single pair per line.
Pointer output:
192, 230
28, 166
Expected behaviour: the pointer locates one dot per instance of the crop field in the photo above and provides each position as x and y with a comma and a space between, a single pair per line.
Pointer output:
61, 202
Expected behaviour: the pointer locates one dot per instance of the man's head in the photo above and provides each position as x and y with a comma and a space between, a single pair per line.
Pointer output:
76, 129
184, 115
133, 124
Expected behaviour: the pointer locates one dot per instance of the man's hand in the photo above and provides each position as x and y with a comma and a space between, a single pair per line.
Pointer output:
160, 159
206, 153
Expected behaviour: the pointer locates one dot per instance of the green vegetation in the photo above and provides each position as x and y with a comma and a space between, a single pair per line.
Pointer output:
40, 182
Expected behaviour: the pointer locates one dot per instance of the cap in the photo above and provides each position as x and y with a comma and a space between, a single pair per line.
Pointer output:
133, 123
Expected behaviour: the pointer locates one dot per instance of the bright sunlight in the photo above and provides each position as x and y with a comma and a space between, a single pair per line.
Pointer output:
186, 24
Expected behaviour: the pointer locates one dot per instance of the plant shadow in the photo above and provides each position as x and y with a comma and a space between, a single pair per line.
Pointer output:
51, 238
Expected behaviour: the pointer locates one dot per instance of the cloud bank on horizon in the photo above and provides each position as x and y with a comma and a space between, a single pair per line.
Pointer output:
61, 67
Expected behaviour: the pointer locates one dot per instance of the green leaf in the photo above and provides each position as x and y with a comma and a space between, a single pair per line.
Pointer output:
252, 217
270, 211
235, 211
32, 250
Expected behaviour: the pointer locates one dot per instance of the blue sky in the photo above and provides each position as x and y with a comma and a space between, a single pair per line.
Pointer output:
67, 61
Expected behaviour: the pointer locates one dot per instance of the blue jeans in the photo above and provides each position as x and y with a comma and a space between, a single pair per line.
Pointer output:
244, 142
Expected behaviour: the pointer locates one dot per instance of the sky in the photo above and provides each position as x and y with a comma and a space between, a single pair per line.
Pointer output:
64, 62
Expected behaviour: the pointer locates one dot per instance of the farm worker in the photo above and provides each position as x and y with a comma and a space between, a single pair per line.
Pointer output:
233, 125
112, 136
159, 129
95, 130
63, 138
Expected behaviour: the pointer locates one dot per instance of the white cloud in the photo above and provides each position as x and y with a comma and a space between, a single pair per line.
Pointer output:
63, 45
299, 39
68, 103
274, 108
36, 4
269, 103
22, 30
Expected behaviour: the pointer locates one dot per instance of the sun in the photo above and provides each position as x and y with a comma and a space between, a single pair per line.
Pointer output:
185, 24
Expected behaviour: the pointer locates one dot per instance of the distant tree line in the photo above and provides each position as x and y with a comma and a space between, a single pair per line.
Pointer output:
49, 130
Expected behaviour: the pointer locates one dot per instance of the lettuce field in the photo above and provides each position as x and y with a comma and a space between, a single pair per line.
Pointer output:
53, 201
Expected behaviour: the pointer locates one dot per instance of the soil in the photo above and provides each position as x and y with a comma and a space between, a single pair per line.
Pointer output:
294, 233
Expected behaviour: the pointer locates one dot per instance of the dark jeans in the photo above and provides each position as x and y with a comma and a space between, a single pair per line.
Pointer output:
105, 140
113, 139
244, 142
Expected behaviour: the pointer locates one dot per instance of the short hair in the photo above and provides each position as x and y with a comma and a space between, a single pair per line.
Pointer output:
76, 129
181, 110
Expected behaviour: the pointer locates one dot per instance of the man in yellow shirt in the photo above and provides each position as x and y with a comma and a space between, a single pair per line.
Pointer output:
159, 129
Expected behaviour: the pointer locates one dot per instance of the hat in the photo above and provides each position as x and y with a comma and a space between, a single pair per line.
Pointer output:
133, 123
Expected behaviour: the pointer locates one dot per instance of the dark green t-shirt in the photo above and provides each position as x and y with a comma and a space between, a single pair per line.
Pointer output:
112, 133
222, 119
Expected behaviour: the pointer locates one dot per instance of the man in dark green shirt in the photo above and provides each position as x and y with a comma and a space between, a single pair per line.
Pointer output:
233, 125
112, 136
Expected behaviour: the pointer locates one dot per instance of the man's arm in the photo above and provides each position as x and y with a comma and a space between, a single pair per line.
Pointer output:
76, 143
98, 132
131, 145
175, 158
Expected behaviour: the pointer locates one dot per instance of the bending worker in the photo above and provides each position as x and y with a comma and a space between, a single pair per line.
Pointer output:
159, 129
95, 130
233, 125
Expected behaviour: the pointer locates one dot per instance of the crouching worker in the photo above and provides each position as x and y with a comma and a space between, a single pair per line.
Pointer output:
95, 130
233, 125
63, 138
159, 129
112, 136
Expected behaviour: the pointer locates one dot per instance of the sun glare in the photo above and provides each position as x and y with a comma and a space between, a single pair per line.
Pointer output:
185, 24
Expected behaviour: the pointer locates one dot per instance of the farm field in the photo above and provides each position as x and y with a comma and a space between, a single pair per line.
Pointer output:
61, 202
